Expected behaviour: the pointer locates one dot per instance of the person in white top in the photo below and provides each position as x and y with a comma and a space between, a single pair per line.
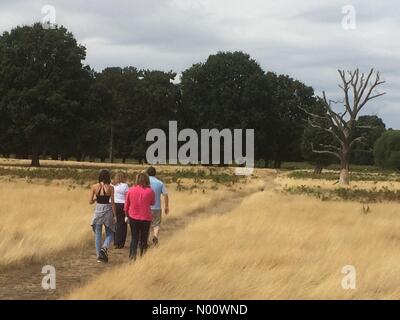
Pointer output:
120, 190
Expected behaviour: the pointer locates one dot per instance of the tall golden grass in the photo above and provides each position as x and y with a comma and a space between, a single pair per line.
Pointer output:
272, 246
38, 220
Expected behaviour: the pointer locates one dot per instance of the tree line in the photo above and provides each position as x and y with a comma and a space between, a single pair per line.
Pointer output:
53, 105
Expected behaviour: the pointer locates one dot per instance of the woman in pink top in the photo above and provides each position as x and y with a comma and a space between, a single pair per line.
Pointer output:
139, 199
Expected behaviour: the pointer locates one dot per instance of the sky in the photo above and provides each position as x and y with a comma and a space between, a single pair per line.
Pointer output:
307, 40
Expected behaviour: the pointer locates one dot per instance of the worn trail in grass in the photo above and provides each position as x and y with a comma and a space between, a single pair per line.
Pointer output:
76, 267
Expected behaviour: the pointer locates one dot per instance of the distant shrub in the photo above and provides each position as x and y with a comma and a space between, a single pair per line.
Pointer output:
373, 195
89, 174
355, 176
387, 150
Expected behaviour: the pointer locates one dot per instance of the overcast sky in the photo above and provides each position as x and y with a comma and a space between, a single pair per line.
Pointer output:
304, 39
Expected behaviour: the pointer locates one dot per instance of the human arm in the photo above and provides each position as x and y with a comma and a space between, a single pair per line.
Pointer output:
127, 204
166, 199
92, 195
114, 210
166, 203
153, 198
126, 199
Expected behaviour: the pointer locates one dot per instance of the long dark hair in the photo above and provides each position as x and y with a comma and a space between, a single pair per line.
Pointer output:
105, 176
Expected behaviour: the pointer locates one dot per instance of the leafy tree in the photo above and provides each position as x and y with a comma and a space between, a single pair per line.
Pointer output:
213, 92
314, 137
387, 150
114, 98
158, 103
40, 73
229, 90
370, 128
289, 98
129, 103
258, 99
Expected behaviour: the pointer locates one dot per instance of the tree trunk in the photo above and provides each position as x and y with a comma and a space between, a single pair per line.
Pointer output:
344, 178
111, 158
277, 163
35, 158
318, 169
124, 160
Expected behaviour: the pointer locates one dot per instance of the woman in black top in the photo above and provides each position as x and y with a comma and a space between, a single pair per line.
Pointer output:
104, 214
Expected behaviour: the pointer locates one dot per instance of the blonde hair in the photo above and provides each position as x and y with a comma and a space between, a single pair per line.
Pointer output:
120, 177
142, 179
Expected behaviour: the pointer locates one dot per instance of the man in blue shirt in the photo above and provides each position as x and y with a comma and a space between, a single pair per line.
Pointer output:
159, 189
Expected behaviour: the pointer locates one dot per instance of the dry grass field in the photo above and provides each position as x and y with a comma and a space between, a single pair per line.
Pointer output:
270, 247
38, 220
251, 239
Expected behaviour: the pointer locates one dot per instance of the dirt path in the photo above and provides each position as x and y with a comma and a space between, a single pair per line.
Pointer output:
76, 267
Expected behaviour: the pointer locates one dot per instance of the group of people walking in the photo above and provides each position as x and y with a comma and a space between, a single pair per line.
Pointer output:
117, 205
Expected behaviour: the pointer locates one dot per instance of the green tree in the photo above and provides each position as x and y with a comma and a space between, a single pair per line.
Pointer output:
158, 103
213, 93
370, 128
40, 70
387, 150
129, 103
315, 137
115, 99
71, 137
289, 98
230, 90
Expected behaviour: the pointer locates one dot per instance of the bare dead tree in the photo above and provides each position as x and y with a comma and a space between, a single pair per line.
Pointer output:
358, 89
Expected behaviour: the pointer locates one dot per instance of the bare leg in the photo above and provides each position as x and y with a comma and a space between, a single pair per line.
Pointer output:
156, 230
